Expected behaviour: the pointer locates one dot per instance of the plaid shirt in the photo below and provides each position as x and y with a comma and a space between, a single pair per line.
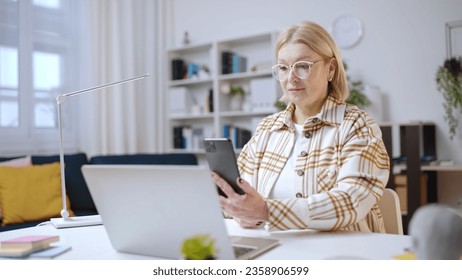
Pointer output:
340, 176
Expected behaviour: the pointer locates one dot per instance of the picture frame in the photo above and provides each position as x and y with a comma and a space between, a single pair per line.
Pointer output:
453, 38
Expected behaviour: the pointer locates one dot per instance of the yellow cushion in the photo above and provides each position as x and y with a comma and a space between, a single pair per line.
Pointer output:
17, 162
31, 193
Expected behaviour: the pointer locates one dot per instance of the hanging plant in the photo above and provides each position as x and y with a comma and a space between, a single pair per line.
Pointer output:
449, 84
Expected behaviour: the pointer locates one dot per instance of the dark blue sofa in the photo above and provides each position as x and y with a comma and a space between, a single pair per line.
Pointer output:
76, 188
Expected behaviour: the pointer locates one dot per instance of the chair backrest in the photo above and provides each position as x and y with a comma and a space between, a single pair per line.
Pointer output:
391, 211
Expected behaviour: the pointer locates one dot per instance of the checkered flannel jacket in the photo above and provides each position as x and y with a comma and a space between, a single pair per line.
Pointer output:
341, 176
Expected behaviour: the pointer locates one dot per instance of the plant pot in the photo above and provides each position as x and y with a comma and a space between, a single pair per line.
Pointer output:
235, 103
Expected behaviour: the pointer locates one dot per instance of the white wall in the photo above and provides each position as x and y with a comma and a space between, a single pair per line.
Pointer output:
403, 44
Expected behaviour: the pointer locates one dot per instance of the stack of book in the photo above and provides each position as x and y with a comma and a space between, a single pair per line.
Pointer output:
178, 69
187, 137
239, 136
232, 63
26, 245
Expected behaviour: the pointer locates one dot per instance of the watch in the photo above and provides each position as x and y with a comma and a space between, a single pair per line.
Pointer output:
347, 31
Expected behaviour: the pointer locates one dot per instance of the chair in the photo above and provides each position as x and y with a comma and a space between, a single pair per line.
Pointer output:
391, 212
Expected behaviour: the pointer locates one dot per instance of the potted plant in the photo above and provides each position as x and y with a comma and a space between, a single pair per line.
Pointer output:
199, 247
357, 96
236, 95
449, 84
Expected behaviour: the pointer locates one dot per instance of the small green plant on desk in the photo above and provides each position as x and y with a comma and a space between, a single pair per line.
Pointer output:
199, 247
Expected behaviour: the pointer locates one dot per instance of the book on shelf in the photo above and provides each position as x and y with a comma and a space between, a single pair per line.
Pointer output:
239, 63
178, 69
178, 139
226, 62
180, 101
187, 137
193, 70
232, 63
239, 136
209, 102
197, 137
263, 95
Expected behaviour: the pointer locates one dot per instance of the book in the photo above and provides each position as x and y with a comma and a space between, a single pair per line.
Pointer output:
29, 242
227, 62
51, 252
193, 70
16, 252
178, 69
239, 63
263, 94
238, 135
178, 141
25, 245
180, 101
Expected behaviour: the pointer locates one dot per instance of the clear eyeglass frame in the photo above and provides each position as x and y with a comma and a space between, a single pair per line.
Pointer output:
301, 69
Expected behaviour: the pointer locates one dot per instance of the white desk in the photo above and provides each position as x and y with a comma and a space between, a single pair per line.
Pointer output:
93, 243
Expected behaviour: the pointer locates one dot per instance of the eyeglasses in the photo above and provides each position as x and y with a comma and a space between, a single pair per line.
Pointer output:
301, 69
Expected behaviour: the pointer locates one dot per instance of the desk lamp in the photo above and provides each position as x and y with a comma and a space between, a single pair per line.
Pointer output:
65, 221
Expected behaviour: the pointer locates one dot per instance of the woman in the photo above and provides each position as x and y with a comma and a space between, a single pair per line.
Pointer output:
321, 163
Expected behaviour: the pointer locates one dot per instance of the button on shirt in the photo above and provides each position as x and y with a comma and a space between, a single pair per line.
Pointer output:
287, 185
342, 174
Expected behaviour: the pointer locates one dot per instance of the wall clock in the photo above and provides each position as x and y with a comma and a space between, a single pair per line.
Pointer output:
347, 31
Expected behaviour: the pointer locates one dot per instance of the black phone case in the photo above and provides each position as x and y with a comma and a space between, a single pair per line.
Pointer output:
221, 158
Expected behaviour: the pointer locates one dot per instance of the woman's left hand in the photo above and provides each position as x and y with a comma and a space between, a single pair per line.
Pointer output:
249, 209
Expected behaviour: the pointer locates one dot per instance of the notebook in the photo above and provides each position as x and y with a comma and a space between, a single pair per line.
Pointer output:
154, 209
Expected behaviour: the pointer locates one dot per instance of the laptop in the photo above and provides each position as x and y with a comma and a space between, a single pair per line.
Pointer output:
152, 209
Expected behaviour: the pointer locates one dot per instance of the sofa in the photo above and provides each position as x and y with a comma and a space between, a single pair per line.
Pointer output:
81, 202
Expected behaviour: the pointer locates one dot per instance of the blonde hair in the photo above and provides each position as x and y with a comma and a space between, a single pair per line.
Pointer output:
319, 40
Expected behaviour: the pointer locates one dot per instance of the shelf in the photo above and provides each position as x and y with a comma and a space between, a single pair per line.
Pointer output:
244, 76
191, 49
208, 61
245, 114
447, 168
190, 82
192, 117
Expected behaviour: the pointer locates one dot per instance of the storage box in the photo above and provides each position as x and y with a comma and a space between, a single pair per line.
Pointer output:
401, 190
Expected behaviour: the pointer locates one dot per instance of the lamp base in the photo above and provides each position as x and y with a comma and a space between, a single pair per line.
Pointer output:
80, 221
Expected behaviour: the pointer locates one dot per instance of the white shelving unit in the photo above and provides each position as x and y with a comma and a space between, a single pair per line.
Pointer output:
194, 91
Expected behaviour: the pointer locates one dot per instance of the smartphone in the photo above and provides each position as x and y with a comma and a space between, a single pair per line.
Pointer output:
222, 160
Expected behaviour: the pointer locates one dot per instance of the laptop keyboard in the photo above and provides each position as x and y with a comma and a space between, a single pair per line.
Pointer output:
239, 251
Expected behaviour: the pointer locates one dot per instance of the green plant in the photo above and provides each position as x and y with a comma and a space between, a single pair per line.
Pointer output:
449, 84
357, 96
236, 90
199, 247
280, 105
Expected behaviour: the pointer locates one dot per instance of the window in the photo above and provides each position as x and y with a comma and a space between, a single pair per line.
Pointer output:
37, 45
9, 108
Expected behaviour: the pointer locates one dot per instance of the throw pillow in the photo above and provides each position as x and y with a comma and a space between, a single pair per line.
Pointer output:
31, 193
17, 162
